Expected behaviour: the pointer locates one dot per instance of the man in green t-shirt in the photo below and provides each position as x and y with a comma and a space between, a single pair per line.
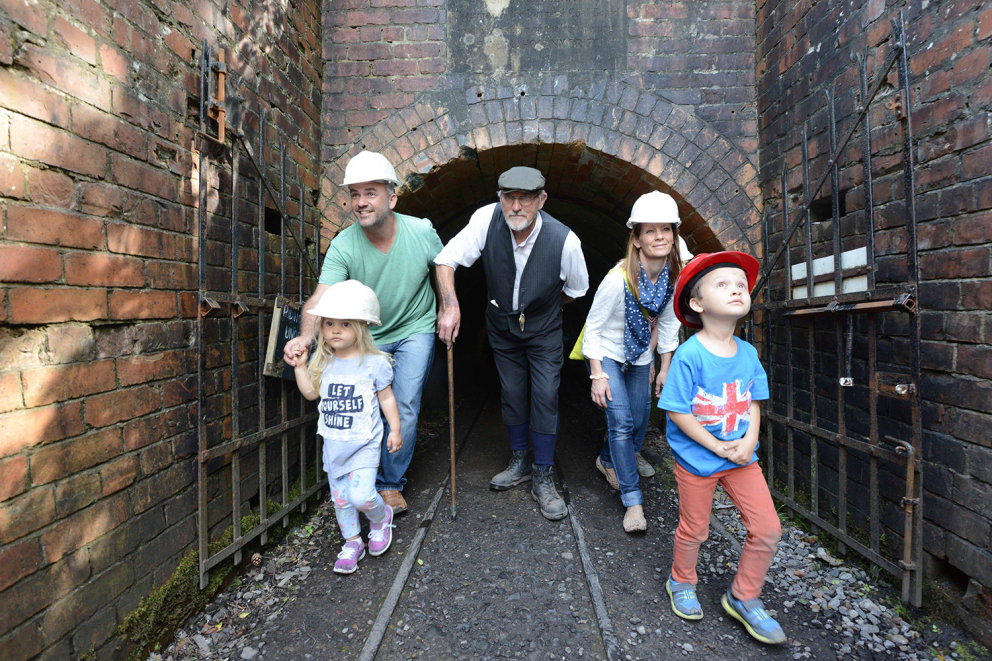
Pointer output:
393, 254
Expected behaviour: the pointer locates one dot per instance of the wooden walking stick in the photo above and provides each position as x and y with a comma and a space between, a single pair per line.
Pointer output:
451, 417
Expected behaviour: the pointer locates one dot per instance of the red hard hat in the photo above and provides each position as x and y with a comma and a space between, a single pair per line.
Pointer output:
699, 266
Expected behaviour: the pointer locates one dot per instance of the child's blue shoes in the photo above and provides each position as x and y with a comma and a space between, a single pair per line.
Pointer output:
684, 601
754, 617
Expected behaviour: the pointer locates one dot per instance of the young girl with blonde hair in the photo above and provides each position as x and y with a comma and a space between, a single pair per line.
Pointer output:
351, 378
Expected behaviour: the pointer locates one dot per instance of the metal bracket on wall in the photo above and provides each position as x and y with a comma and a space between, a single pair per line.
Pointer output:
208, 305
216, 110
905, 302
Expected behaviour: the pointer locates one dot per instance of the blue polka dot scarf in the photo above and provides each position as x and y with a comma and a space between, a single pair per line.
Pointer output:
637, 329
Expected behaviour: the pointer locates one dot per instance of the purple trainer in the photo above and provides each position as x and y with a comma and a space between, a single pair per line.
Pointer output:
348, 558
381, 534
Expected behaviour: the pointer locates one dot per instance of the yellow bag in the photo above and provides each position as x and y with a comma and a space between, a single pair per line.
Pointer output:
576, 353
577, 349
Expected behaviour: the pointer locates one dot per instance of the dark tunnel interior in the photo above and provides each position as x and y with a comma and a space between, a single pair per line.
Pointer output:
589, 192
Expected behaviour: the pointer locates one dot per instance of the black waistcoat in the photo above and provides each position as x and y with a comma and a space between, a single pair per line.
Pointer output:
540, 284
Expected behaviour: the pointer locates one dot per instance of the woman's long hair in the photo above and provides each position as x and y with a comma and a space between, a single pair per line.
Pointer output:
631, 263
324, 354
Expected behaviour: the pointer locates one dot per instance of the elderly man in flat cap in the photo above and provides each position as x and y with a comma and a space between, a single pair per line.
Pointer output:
533, 264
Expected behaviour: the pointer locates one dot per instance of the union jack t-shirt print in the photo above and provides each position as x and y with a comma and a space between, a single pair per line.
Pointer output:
718, 392
727, 410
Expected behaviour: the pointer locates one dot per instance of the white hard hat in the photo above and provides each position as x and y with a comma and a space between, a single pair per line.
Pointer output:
348, 300
684, 251
369, 166
654, 207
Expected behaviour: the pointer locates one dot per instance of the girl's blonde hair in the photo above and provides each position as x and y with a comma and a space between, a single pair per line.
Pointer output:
324, 354
631, 263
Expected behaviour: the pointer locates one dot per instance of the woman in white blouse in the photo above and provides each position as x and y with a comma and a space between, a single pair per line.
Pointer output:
630, 317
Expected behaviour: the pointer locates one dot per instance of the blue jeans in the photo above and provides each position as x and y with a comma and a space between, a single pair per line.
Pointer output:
626, 421
413, 357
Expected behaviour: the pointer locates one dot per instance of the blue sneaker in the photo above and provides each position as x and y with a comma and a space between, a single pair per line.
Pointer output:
684, 601
754, 617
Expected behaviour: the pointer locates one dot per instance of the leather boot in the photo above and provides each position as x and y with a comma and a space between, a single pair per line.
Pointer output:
542, 489
518, 471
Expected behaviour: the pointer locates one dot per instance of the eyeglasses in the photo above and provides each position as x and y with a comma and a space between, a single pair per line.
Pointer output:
517, 197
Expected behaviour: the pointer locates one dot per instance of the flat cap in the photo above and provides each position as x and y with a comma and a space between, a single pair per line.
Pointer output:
521, 178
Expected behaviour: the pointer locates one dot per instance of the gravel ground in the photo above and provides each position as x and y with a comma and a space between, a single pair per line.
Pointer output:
501, 582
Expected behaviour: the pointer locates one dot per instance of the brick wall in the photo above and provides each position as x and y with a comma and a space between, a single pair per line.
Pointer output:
700, 55
98, 108
804, 48
673, 110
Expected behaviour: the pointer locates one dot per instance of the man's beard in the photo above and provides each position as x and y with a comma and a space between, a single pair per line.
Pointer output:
374, 221
520, 225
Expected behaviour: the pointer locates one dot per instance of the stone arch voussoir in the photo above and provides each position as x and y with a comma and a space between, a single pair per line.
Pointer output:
645, 142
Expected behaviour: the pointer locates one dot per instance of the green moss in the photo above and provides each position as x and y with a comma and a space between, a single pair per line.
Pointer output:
667, 476
164, 611
970, 650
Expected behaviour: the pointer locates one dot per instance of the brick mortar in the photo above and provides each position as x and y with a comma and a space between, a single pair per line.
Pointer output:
99, 280
478, 121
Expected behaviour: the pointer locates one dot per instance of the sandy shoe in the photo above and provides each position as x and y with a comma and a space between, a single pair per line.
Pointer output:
634, 522
608, 473
644, 467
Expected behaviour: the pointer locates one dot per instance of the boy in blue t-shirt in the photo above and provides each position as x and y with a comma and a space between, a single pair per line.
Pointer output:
711, 395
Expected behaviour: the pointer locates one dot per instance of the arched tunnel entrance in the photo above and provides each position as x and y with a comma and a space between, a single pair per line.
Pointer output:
590, 192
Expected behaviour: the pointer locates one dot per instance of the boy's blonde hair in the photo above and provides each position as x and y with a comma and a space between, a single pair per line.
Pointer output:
323, 355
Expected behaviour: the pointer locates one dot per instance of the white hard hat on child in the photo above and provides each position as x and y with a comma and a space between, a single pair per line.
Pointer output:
654, 207
348, 300
369, 166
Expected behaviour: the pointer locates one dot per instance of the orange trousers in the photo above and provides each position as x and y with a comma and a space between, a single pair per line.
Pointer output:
747, 489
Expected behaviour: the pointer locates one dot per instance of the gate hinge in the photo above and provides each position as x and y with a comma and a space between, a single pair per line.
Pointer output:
910, 501
908, 566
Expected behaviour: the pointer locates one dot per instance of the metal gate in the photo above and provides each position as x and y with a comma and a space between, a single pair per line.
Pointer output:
830, 309
225, 313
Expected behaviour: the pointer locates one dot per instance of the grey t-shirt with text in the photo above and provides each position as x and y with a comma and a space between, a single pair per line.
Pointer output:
349, 420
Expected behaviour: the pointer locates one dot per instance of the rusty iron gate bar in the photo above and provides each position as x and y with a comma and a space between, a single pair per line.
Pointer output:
214, 105
843, 307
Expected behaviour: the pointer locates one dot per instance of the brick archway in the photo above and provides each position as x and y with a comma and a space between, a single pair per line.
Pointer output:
599, 148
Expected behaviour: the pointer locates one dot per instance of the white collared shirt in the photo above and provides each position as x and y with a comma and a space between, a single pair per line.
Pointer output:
466, 247
605, 324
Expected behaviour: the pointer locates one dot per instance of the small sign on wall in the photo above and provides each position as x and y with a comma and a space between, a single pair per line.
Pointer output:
285, 326
854, 270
